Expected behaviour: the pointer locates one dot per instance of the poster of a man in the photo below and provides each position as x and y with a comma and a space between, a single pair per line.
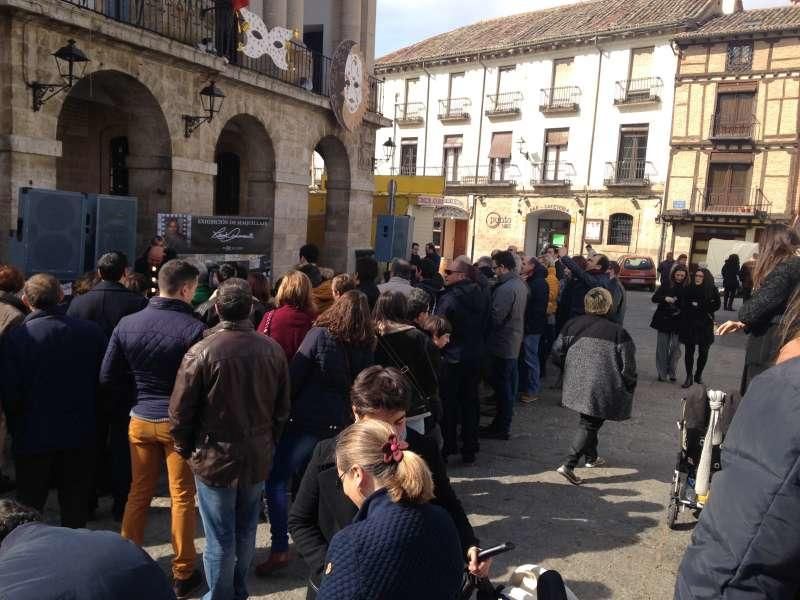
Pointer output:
175, 228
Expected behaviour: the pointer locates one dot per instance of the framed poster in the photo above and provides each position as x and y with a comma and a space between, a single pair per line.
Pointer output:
594, 230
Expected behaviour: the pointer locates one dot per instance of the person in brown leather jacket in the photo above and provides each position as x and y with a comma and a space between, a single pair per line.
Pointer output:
227, 410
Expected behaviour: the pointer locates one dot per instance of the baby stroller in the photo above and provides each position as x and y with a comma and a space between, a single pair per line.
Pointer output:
705, 418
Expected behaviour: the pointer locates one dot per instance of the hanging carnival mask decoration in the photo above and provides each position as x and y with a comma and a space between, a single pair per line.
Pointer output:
259, 40
349, 85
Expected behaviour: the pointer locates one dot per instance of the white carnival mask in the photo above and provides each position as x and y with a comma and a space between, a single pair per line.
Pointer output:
353, 82
260, 40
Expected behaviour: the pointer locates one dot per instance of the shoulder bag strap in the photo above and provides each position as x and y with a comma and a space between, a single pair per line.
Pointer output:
402, 367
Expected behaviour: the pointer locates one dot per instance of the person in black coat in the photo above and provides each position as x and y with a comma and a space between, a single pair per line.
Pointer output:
699, 304
42, 562
367, 273
48, 374
730, 280
667, 322
431, 281
665, 269
535, 276
321, 509
399, 545
746, 544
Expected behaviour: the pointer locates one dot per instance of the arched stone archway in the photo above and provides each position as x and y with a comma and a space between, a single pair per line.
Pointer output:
245, 157
115, 140
544, 227
337, 202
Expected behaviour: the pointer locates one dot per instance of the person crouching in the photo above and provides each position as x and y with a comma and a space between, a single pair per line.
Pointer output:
597, 358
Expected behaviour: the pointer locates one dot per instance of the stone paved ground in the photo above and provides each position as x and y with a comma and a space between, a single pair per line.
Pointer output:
607, 537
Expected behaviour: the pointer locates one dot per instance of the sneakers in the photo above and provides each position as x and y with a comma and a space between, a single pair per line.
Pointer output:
569, 475
528, 398
597, 462
183, 588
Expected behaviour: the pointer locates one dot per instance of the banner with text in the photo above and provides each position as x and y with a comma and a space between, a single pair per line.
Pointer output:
193, 234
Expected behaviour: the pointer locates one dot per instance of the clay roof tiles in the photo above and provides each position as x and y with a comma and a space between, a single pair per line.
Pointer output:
750, 21
586, 19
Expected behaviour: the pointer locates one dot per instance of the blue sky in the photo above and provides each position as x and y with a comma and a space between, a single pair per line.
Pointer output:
403, 22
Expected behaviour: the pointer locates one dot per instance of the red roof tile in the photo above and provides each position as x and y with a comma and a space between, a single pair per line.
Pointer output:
749, 21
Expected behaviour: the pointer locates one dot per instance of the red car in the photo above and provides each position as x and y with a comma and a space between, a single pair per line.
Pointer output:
637, 270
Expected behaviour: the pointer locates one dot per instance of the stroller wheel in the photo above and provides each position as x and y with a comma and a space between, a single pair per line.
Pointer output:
672, 513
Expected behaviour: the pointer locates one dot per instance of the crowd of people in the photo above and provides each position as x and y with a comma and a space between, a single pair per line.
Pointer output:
348, 394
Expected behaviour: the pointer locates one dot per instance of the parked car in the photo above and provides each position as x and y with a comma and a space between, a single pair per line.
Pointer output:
637, 270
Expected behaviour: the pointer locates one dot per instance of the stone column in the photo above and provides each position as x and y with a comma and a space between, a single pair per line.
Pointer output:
368, 33
290, 222
350, 28
295, 12
275, 13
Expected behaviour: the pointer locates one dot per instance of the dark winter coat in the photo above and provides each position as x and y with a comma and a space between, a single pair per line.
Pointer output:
620, 301
730, 275
432, 286
321, 509
768, 303
746, 545
229, 405
406, 347
105, 304
42, 562
665, 270
394, 551
697, 315
287, 325
12, 312
48, 372
507, 316
746, 274
145, 352
571, 304
207, 312
538, 297
322, 371
591, 279
597, 357
370, 290
667, 317
466, 307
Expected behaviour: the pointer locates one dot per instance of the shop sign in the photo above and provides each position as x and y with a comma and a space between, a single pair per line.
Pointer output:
432, 201
193, 234
495, 220
556, 207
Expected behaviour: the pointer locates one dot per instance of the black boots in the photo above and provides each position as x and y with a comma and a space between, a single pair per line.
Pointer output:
688, 382
698, 377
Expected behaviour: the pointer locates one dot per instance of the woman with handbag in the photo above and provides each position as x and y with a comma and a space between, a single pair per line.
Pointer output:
333, 353
667, 320
411, 351
699, 304
294, 314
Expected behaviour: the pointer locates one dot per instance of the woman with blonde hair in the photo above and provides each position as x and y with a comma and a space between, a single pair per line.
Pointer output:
294, 314
399, 545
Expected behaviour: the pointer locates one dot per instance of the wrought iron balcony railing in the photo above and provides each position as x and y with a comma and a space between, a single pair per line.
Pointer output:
742, 201
553, 173
454, 109
639, 91
560, 99
628, 173
210, 26
503, 105
409, 113
483, 175
725, 128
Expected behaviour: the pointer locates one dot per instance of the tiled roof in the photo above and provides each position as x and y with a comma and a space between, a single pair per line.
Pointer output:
750, 21
587, 19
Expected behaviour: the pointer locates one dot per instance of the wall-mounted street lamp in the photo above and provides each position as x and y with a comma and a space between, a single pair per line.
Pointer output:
71, 64
388, 153
212, 99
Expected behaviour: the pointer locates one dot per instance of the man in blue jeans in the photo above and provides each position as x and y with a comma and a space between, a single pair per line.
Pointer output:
535, 276
227, 410
507, 321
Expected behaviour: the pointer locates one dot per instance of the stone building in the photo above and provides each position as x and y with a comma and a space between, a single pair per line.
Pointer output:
549, 127
121, 128
733, 163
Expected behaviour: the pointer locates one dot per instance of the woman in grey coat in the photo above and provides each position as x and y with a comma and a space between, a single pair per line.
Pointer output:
597, 358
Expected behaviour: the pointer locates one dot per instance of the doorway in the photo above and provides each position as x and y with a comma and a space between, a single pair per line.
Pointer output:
226, 199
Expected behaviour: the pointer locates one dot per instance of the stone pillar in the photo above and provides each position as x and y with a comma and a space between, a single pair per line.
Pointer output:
348, 225
368, 33
275, 13
295, 12
290, 221
350, 28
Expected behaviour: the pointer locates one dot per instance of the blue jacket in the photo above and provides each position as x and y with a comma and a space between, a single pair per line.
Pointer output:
41, 562
48, 373
394, 551
145, 352
746, 545
466, 307
322, 372
105, 304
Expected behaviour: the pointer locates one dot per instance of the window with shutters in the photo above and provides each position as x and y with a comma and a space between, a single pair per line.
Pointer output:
562, 72
620, 229
408, 156
452, 154
740, 57
641, 85
554, 169
630, 168
728, 185
500, 157
733, 118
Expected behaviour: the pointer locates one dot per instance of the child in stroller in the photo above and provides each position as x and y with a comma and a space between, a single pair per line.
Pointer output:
700, 409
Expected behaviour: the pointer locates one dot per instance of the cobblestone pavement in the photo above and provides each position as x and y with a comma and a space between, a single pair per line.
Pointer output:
607, 537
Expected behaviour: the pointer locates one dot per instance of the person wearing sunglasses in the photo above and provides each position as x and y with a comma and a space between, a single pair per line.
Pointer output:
321, 508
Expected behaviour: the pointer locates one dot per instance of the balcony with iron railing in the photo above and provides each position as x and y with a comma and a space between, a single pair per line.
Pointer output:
628, 173
409, 113
565, 99
724, 128
454, 109
734, 201
507, 104
210, 26
635, 92
483, 176
552, 173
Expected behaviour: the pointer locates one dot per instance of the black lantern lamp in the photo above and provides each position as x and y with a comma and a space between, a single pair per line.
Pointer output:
388, 149
71, 63
211, 98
